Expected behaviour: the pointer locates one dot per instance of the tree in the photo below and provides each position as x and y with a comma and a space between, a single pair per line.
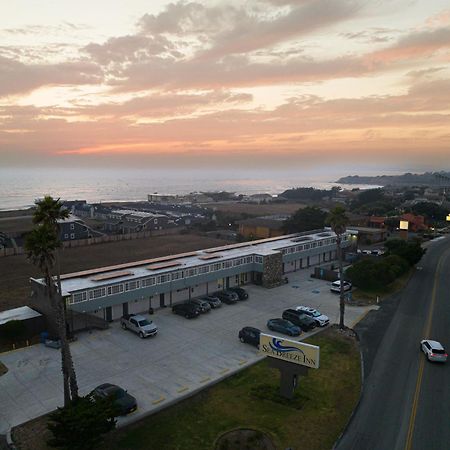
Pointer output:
338, 222
410, 251
305, 219
81, 424
42, 245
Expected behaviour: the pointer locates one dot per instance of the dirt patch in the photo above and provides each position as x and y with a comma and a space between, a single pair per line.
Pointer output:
15, 271
25, 435
3, 369
244, 439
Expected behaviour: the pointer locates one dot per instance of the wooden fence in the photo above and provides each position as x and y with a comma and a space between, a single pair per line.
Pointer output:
100, 240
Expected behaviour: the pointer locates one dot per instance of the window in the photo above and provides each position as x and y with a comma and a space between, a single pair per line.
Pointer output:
131, 285
116, 289
72, 235
72, 226
217, 266
79, 297
249, 259
97, 293
66, 236
259, 259
203, 269
176, 275
148, 282
191, 272
227, 264
155, 221
238, 262
162, 278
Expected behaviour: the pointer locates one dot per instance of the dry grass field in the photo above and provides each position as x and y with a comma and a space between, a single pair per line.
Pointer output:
15, 271
256, 210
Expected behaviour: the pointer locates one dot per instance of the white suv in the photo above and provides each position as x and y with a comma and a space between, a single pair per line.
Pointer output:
336, 286
433, 350
321, 319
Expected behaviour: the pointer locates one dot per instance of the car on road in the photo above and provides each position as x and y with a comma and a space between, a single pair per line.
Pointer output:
202, 305
241, 292
139, 325
336, 286
187, 310
284, 326
321, 319
434, 350
250, 335
227, 297
124, 402
305, 322
212, 300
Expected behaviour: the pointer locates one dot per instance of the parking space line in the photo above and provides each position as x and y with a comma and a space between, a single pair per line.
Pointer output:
204, 380
224, 371
183, 389
242, 362
159, 400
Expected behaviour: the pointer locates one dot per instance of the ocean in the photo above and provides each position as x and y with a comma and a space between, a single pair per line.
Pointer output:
19, 187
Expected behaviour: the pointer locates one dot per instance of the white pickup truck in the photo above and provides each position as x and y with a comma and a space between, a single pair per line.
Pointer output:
139, 324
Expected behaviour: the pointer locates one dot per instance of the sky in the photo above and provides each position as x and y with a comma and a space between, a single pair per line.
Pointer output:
285, 84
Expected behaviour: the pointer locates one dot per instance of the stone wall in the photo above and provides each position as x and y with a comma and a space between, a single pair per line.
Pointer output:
273, 270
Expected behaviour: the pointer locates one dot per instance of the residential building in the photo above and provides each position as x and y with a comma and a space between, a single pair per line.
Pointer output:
74, 228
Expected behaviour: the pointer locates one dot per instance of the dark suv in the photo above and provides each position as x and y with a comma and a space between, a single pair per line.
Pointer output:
241, 293
250, 335
305, 322
187, 310
227, 297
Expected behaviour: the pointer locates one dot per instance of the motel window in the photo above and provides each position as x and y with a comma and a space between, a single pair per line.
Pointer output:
175, 275
203, 269
148, 281
191, 272
116, 289
72, 226
306, 246
249, 259
79, 297
97, 293
259, 259
227, 264
72, 236
299, 248
217, 266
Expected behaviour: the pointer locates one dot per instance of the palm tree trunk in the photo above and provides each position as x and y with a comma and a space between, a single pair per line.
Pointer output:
68, 361
60, 326
341, 278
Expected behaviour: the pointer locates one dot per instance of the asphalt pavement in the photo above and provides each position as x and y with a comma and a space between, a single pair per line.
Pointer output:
405, 404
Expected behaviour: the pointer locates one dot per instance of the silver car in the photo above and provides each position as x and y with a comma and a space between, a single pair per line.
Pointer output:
433, 350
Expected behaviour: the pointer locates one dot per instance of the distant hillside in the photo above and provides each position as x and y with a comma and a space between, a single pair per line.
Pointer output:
427, 178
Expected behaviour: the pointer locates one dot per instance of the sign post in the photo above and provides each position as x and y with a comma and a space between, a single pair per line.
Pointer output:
293, 359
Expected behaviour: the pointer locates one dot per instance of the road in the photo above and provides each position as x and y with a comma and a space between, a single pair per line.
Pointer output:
405, 404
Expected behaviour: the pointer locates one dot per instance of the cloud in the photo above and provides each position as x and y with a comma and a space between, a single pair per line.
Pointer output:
18, 78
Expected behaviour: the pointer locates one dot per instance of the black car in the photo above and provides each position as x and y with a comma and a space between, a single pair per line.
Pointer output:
124, 402
187, 310
305, 322
250, 335
242, 293
212, 300
227, 297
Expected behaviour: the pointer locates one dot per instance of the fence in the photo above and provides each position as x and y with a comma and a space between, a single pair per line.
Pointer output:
100, 240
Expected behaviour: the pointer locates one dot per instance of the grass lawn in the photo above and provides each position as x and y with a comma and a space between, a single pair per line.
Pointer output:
369, 296
322, 405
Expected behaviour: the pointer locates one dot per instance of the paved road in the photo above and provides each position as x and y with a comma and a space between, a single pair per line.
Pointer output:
405, 404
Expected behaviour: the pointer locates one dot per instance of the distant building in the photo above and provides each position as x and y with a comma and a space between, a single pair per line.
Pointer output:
165, 199
74, 228
130, 221
368, 236
262, 227
376, 222
416, 223
259, 198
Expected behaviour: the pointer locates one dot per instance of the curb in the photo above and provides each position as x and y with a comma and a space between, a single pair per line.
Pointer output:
9, 440
355, 409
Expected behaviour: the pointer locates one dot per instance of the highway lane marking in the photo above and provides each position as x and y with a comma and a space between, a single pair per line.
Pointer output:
426, 332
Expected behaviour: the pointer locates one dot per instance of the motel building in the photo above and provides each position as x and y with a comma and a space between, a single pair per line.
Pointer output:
98, 296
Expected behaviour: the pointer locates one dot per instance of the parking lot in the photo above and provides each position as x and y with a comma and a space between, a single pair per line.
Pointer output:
184, 357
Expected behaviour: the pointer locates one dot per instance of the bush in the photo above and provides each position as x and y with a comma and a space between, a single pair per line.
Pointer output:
411, 251
80, 426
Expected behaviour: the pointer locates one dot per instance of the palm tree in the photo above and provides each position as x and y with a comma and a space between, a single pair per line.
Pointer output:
42, 246
338, 222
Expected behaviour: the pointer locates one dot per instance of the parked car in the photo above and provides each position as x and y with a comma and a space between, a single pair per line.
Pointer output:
300, 319
139, 325
212, 300
321, 319
284, 326
202, 305
336, 286
250, 335
241, 292
433, 350
227, 297
187, 310
125, 402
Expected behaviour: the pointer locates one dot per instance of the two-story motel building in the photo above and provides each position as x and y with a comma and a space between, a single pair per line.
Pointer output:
109, 292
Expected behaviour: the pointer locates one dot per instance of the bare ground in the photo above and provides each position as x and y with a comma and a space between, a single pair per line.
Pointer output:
15, 271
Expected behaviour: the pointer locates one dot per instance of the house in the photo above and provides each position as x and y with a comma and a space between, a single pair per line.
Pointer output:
368, 236
74, 228
130, 221
376, 222
165, 199
415, 223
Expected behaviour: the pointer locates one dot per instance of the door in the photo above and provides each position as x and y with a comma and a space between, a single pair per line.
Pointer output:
161, 301
108, 314
125, 308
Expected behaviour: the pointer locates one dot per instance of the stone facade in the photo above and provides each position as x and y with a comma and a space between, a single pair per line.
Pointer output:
273, 270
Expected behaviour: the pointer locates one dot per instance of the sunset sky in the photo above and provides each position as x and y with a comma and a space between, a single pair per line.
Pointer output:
259, 83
